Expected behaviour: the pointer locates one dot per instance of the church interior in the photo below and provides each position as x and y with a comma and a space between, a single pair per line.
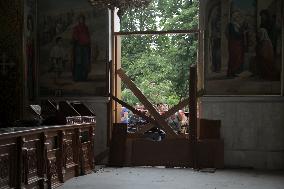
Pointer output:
64, 122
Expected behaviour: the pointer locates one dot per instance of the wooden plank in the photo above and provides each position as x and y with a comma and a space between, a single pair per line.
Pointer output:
176, 108
193, 102
170, 153
60, 155
193, 113
42, 165
19, 163
137, 112
91, 150
167, 114
180, 105
161, 122
193, 31
77, 147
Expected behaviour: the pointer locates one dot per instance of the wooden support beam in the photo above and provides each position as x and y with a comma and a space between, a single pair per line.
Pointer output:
76, 156
184, 32
137, 112
42, 160
180, 106
60, 159
161, 122
19, 162
176, 108
193, 113
91, 148
144, 128
166, 115
193, 102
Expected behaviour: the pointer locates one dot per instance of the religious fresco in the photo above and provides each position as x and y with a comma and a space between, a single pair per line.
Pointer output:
73, 48
215, 37
30, 47
243, 47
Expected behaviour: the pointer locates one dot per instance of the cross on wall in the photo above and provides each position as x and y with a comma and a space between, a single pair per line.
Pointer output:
5, 64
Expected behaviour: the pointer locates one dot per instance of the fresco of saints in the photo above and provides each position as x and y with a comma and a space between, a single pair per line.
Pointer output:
236, 45
57, 59
265, 57
216, 39
81, 50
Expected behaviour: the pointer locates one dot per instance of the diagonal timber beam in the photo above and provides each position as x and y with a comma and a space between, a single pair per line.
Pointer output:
180, 105
176, 108
137, 112
161, 122
166, 115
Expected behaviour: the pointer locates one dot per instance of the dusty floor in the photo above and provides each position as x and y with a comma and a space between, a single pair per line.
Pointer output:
159, 178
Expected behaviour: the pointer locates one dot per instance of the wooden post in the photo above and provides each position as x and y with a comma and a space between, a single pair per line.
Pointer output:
60, 156
42, 158
19, 166
176, 108
137, 112
91, 153
25, 161
77, 148
110, 105
193, 113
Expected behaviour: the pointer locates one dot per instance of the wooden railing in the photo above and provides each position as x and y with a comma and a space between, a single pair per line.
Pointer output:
46, 157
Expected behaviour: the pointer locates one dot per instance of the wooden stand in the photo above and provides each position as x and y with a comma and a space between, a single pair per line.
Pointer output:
45, 157
132, 150
175, 150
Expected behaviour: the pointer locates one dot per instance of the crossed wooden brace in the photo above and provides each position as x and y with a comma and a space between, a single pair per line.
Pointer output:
157, 120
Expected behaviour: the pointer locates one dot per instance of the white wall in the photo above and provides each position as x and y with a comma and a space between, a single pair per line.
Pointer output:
252, 128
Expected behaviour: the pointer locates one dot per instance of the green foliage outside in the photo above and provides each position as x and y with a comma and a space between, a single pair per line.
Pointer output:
159, 64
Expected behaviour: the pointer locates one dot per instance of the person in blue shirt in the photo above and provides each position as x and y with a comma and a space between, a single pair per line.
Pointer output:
124, 115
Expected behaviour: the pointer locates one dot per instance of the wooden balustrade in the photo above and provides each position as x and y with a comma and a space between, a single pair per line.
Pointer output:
46, 157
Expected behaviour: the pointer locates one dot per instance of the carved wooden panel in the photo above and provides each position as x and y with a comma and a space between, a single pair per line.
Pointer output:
33, 161
7, 163
4, 170
86, 160
44, 158
53, 173
68, 155
53, 166
87, 151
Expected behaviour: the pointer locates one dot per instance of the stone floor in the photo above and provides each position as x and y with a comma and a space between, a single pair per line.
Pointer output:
161, 178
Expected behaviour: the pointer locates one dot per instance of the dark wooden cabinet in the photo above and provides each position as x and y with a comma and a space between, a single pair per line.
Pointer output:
87, 150
53, 160
7, 163
46, 157
33, 161
69, 150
